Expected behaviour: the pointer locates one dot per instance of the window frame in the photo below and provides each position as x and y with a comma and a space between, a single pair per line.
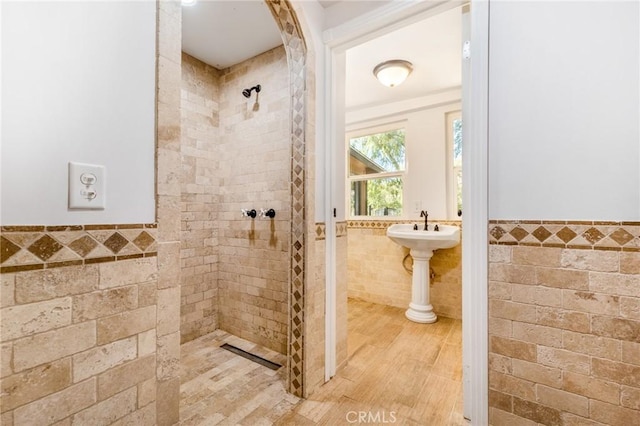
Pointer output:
366, 131
452, 199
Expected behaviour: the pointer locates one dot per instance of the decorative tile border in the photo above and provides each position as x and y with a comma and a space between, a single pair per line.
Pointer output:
296, 50
321, 231
341, 229
384, 224
24, 248
587, 235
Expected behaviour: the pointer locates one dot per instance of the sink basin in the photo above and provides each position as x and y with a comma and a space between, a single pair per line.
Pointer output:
422, 245
403, 233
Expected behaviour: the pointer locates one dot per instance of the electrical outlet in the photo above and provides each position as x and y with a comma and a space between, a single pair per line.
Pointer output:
417, 206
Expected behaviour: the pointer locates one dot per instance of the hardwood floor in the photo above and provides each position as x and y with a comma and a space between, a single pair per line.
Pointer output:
398, 372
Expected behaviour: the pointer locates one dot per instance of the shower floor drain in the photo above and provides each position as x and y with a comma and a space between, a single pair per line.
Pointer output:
251, 357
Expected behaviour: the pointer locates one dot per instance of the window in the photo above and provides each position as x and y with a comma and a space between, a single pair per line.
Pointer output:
454, 137
376, 172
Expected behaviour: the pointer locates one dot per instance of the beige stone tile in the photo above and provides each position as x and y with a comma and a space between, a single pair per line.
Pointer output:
573, 420
562, 400
147, 392
145, 416
563, 278
168, 311
147, 294
500, 363
539, 413
500, 327
168, 400
127, 272
610, 414
630, 308
508, 273
537, 256
7, 290
594, 303
35, 383
615, 284
629, 398
168, 356
46, 347
499, 254
102, 358
109, 410
617, 328
537, 373
125, 376
104, 303
631, 353
169, 264
590, 387
6, 418
560, 318
6, 359
625, 374
512, 385
538, 334
588, 344
501, 400
57, 406
565, 360
630, 263
498, 417
500, 290
34, 286
24, 320
125, 324
512, 348
147, 342
512, 311
591, 260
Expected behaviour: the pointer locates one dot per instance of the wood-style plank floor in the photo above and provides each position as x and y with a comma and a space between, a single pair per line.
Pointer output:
398, 372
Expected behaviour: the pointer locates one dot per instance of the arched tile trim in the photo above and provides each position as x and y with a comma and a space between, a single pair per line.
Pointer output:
296, 49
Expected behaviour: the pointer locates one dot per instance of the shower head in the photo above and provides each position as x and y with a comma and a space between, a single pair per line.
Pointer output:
247, 92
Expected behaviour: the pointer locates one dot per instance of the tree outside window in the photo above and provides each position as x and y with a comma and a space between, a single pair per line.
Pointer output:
376, 171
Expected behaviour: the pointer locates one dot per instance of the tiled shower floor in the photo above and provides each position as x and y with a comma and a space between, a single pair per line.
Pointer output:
399, 372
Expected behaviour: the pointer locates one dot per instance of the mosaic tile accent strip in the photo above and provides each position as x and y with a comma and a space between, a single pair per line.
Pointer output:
24, 248
588, 235
321, 231
296, 49
341, 229
384, 224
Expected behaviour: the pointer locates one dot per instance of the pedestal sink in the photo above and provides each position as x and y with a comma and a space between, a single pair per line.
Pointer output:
422, 245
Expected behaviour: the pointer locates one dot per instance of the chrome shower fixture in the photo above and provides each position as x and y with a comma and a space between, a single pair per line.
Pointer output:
247, 92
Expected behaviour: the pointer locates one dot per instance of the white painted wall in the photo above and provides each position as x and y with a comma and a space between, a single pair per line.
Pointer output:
78, 84
564, 110
426, 148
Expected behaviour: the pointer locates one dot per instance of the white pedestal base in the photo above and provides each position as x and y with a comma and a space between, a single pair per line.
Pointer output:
420, 309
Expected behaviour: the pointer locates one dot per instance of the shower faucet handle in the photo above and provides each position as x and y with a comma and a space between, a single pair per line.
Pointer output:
248, 213
270, 213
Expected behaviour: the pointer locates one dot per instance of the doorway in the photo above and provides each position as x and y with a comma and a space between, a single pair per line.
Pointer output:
474, 273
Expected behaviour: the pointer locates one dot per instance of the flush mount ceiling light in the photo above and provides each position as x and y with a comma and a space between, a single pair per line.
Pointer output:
392, 73
188, 2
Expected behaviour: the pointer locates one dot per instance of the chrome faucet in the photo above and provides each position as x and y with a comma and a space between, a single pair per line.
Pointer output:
425, 214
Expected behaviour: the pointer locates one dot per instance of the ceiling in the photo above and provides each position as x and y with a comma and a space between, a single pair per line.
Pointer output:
226, 32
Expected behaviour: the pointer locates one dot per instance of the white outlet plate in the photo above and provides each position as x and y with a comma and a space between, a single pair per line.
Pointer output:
87, 186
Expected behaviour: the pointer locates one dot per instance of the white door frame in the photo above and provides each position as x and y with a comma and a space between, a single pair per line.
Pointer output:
475, 192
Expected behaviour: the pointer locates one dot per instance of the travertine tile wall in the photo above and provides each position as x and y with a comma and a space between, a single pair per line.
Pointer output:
255, 171
199, 198
564, 323
342, 280
376, 274
79, 344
